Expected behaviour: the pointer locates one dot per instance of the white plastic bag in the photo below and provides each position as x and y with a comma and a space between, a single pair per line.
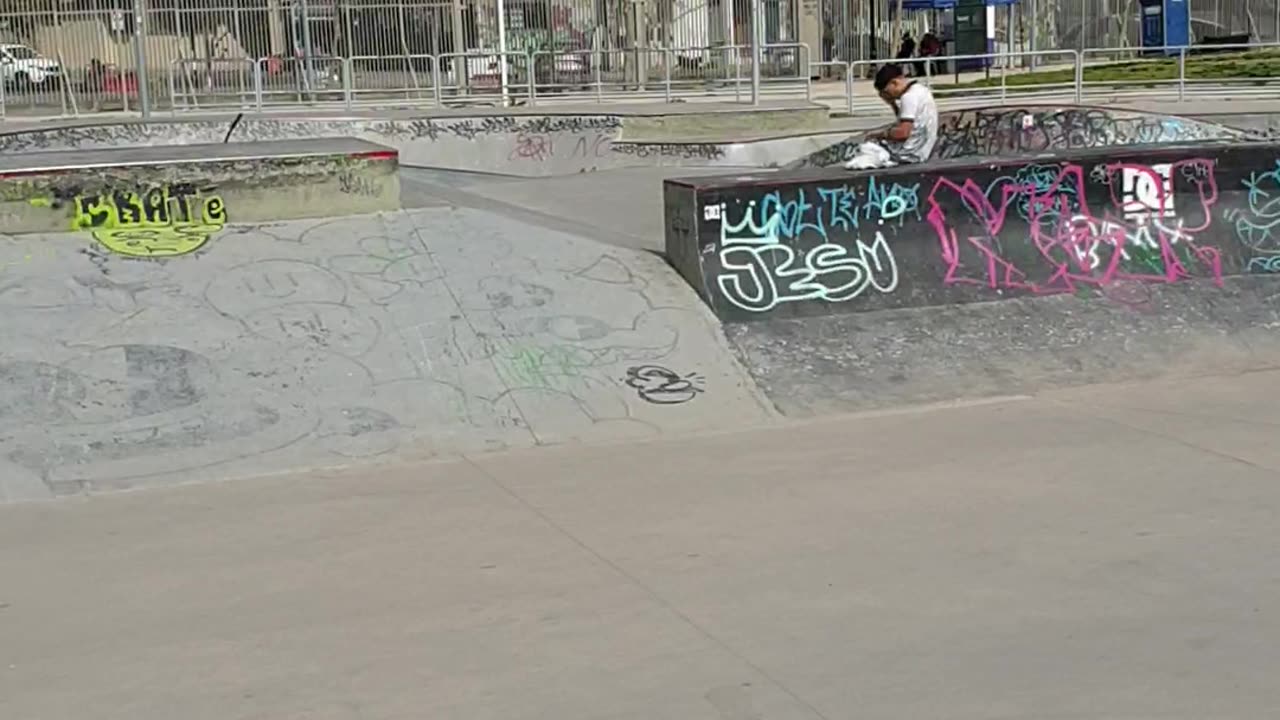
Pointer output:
870, 155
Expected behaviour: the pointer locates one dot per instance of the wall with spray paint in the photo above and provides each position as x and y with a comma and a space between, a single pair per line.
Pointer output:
833, 242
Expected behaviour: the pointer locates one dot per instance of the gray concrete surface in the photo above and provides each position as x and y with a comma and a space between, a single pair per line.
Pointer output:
671, 548
1098, 554
621, 207
366, 339
1129, 331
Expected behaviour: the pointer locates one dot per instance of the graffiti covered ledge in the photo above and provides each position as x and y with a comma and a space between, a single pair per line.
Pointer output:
820, 242
170, 200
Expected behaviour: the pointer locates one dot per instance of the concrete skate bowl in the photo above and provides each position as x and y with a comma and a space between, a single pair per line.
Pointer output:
1034, 129
533, 145
518, 144
206, 311
848, 291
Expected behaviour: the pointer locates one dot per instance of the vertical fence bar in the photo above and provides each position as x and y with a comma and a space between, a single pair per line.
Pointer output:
1079, 79
346, 82
140, 57
596, 74
848, 88
531, 61
757, 29
1004, 87
437, 94
667, 58
1182, 73
735, 57
257, 83
173, 88
309, 52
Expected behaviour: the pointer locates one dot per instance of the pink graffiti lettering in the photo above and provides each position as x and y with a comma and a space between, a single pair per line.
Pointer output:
531, 146
1143, 237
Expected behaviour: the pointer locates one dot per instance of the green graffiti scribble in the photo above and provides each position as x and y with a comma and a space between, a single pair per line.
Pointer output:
550, 368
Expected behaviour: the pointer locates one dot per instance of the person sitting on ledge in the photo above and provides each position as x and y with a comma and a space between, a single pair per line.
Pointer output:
911, 139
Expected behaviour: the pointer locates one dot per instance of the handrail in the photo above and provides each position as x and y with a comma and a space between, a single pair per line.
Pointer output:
665, 72
1078, 62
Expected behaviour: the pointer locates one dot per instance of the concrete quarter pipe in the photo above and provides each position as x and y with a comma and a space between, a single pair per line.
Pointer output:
845, 291
171, 343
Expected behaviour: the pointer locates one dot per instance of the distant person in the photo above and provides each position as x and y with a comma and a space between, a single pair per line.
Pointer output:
95, 79
930, 47
906, 49
911, 138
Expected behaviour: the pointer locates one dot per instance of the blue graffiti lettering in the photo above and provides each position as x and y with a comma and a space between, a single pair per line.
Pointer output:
1256, 225
890, 201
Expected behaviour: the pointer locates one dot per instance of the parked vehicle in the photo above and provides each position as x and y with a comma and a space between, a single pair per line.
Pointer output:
21, 67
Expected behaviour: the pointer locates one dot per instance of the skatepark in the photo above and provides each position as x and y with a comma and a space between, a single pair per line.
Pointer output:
639, 412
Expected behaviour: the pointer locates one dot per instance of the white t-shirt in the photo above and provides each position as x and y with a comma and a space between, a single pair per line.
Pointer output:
916, 105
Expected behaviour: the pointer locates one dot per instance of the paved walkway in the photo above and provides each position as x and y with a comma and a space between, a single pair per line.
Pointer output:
1099, 553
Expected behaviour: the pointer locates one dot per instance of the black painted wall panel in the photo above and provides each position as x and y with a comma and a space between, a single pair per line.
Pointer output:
833, 242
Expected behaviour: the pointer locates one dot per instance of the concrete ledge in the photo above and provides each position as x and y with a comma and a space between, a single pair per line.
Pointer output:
187, 193
852, 291
818, 242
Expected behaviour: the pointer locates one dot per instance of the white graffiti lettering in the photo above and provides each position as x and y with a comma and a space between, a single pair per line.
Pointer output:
759, 272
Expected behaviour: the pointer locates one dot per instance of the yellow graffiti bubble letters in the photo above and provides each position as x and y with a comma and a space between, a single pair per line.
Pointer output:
160, 222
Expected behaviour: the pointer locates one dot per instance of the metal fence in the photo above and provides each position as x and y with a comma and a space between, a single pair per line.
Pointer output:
865, 30
457, 79
66, 57
1095, 75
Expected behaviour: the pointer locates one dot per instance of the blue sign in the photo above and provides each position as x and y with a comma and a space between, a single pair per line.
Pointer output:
940, 4
1165, 24
925, 4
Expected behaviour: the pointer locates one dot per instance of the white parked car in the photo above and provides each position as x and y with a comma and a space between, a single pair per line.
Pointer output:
21, 66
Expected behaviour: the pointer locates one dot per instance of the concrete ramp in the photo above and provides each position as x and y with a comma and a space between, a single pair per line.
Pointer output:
853, 291
390, 337
540, 144
169, 200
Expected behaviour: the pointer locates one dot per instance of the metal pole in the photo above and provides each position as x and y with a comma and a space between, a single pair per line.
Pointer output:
1031, 32
307, 50
140, 57
502, 48
457, 64
757, 29
872, 52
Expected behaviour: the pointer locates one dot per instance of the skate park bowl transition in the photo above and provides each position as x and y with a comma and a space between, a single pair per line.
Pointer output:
533, 144
855, 290
199, 300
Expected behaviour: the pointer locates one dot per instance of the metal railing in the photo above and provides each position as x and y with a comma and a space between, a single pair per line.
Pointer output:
1070, 75
667, 74
492, 78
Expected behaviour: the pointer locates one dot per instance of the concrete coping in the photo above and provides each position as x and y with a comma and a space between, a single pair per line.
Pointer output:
645, 109
64, 160
1076, 155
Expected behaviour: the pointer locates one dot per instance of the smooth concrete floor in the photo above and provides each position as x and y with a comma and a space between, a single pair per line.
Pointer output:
1105, 552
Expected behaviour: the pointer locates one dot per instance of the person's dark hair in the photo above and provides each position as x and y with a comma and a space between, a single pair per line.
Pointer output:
887, 74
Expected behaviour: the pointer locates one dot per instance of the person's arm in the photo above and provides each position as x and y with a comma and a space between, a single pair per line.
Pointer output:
906, 111
900, 131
